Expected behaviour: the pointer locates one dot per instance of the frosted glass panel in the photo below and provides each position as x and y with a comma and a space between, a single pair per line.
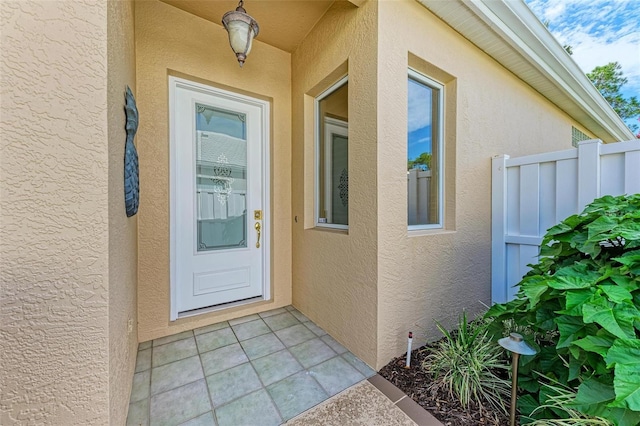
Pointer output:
221, 179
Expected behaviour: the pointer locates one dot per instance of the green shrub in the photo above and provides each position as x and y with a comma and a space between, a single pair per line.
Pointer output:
559, 399
464, 364
582, 305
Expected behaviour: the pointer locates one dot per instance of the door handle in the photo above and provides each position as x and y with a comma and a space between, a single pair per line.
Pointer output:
258, 228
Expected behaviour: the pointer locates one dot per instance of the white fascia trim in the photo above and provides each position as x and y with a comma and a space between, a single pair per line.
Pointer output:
516, 26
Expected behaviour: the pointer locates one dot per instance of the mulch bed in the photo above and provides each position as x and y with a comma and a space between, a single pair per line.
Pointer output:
418, 386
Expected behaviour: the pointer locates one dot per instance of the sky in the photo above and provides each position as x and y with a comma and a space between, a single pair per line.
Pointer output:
419, 125
599, 31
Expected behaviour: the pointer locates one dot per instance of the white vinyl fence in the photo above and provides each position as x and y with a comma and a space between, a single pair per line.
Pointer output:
419, 194
531, 194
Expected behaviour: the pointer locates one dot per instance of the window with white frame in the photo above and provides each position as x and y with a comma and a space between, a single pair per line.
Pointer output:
332, 153
425, 152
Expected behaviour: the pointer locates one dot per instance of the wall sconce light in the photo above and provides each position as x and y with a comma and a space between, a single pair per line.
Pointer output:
242, 28
516, 344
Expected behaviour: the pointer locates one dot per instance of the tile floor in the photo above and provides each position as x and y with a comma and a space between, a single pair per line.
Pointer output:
261, 369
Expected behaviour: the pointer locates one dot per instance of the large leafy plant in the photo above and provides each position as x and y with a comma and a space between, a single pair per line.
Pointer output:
581, 304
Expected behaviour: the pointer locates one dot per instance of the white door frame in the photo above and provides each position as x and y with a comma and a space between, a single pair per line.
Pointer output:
332, 126
174, 83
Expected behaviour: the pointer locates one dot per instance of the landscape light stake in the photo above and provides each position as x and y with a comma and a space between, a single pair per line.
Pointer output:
409, 341
516, 344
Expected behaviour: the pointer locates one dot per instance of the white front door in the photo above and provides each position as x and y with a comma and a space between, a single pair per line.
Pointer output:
219, 231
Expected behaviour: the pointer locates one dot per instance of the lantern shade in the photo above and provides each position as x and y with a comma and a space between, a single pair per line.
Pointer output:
515, 343
242, 28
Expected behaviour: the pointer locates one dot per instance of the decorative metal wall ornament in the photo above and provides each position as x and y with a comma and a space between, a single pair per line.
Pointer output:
131, 175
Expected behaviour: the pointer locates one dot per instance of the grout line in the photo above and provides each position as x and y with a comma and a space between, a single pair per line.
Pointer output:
198, 351
272, 400
162, 344
220, 347
321, 387
175, 360
280, 340
206, 384
150, 381
396, 403
238, 397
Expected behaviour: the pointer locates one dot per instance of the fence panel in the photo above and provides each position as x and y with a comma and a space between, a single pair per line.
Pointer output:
419, 189
533, 193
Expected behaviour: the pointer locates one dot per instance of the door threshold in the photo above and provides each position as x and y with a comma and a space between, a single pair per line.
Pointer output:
220, 307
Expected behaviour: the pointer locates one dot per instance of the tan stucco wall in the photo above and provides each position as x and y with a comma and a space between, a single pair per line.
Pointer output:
169, 40
123, 254
434, 276
334, 272
54, 215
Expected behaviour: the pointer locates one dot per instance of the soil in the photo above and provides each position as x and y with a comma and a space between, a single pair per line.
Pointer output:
418, 386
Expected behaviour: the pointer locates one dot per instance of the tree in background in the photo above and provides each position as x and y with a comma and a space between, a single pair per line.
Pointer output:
609, 79
422, 161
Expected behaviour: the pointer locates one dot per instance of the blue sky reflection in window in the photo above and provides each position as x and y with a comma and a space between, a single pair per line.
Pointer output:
216, 120
420, 115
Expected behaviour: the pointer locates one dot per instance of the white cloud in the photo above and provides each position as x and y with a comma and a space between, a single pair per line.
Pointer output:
554, 11
419, 106
590, 52
426, 141
599, 31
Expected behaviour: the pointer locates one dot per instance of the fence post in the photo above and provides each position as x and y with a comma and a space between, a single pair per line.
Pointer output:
499, 229
588, 172
632, 172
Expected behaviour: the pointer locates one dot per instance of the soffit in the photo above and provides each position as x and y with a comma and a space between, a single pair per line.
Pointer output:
283, 23
510, 33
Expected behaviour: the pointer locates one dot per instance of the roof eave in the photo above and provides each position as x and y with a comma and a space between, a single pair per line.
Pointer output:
517, 39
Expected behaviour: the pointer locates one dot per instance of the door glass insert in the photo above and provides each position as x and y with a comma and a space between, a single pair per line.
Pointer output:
221, 179
340, 179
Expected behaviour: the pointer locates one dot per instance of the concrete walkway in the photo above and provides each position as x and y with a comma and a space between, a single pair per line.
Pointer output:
370, 402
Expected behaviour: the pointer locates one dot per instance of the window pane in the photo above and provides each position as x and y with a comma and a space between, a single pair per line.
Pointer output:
424, 151
333, 154
221, 179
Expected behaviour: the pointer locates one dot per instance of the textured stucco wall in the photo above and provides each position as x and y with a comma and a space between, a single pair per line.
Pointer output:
123, 255
53, 213
434, 276
335, 272
169, 40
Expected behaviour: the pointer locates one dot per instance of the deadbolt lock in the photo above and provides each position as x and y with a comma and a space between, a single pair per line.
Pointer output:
257, 214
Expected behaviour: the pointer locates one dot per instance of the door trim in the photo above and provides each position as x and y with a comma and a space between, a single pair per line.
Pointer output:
332, 126
175, 83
